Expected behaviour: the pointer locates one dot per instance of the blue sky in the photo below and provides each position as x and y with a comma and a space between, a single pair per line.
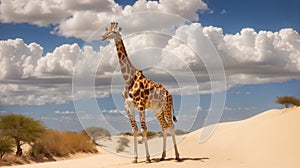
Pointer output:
242, 101
260, 15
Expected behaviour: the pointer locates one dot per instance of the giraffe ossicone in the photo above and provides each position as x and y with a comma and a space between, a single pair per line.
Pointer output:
142, 93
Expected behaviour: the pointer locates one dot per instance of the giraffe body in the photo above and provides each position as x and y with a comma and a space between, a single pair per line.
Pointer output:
142, 93
145, 94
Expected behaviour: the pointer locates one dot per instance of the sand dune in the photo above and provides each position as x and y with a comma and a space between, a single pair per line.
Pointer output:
270, 139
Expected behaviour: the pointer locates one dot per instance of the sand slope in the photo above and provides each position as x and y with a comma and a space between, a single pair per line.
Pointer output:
270, 139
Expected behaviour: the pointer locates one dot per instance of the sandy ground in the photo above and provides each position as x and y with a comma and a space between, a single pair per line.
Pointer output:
268, 140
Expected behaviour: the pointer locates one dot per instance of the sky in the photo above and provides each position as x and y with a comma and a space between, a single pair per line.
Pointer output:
46, 46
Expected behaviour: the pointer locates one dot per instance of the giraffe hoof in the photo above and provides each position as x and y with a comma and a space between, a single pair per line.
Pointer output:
148, 160
162, 159
178, 159
134, 161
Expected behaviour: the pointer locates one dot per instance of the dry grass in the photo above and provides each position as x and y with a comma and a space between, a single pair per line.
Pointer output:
10, 160
53, 144
60, 144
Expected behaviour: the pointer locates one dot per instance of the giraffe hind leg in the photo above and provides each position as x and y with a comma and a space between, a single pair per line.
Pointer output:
164, 126
174, 142
169, 117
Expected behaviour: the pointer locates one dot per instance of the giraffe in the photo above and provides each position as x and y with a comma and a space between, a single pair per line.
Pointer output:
142, 93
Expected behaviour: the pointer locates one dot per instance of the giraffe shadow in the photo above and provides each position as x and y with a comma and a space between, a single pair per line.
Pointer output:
202, 159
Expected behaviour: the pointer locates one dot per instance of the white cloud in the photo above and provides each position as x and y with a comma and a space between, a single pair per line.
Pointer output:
28, 77
175, 7
18, 59
249, 57
223, 12
241, 93
75, 18
60, 62
199, 109
36, 12
83, 23
251, 108
114, 111
64, 112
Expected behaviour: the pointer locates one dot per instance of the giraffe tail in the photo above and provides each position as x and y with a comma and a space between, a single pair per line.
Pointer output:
174, 118
170, 101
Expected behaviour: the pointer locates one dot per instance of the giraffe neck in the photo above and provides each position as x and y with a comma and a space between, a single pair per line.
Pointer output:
127, 68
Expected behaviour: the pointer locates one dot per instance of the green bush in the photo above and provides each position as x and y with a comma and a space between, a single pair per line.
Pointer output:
21, 129
6, 146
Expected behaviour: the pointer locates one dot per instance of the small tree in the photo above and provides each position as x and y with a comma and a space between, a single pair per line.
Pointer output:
21, 129
288, 100
6, 146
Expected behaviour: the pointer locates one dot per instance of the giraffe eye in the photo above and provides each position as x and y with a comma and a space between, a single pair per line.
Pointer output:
106, 28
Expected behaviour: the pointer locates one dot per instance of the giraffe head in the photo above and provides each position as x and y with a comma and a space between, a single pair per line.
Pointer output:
112, 32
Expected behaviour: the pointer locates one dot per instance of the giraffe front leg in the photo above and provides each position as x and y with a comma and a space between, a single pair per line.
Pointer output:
135, 154
129, 107
144, 132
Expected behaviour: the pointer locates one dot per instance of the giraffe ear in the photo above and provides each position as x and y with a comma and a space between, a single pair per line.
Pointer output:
120, 29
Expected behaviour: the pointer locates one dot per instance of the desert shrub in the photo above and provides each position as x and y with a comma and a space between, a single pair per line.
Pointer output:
120, 148
37, 152
123, 142
150, 134
288, 100
126, 133
60, 144
180, 132
10, 160
160, 134
97, 132
6, 146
